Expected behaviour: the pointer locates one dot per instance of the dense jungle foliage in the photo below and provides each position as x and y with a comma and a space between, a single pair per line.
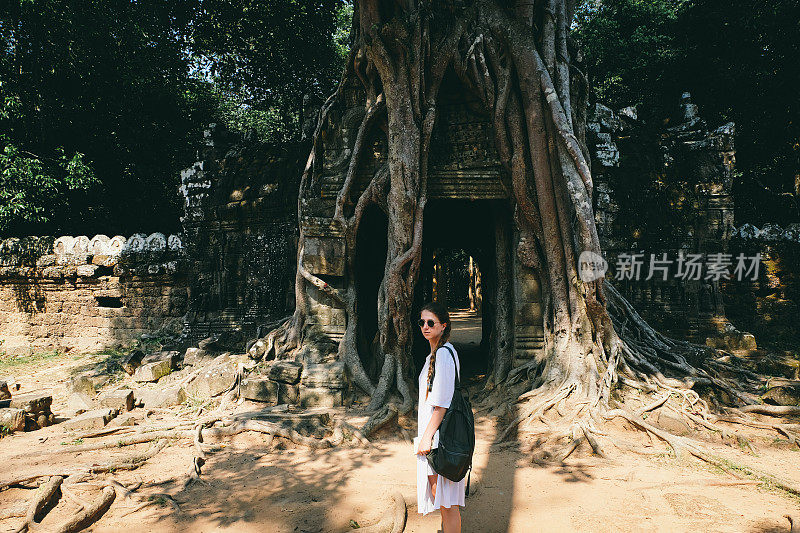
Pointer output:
103, 102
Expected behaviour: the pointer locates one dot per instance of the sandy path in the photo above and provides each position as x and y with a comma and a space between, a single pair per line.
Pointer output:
254, 487
257, 486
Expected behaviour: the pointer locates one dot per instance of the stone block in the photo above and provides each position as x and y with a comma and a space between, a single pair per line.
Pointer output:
324, 255
5, 393
733, 340
172, 357
79, 402
105, 260
288, 393
86, 271
783, 395
88, 382
162, 397
132, 361
320, 397
95, 419
257, 350
259, 389
196, 357
213, 381
12, 419
126, 419
286, 372
81, 383
32, 402
152, 371
316, 353
46, 260
121, 400
329, 375
209, 344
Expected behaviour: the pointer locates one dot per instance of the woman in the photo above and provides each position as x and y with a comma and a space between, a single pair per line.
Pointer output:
435, 393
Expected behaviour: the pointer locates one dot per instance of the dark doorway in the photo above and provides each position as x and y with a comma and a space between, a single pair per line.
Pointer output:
371, 247
459, 241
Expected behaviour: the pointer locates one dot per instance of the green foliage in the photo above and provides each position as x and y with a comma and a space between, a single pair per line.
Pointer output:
34, 359
105, 101
630, 47
739, 61
269, 57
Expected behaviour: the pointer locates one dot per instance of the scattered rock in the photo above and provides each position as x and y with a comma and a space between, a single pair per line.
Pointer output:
172, 357
733, 340
331, 375
132, 361
257, 350
783, 395
286, 372
95, 419
164, 397
259, 389
5, 393
214, 380
126, 419
88, 382
209, 344
82, 384
12, 419
121, 400
32, 402
36, 407
196, 357
320, 397
79, 402
152, 371
288, 393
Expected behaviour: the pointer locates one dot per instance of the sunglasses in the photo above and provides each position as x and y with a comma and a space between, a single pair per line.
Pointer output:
430, 322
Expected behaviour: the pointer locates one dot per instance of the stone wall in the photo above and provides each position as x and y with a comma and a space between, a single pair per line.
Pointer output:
77, 293
240, 224
664, 187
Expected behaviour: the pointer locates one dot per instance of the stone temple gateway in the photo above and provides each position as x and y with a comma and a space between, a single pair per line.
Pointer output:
230, 275
469, 209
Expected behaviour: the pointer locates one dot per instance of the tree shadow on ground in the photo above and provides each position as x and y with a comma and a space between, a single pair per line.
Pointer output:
274, 489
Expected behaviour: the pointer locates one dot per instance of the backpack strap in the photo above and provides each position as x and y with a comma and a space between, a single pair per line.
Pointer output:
458, 381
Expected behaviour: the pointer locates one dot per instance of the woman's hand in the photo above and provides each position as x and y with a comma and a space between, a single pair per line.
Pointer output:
424, 446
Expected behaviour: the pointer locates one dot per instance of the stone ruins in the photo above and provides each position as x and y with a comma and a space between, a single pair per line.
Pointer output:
220, 286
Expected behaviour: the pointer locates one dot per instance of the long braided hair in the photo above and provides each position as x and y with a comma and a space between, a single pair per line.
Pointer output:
441, 314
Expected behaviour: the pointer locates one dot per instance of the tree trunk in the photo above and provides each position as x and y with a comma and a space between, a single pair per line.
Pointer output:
518, 64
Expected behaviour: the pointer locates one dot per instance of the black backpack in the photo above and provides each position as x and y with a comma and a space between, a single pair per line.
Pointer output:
453, 458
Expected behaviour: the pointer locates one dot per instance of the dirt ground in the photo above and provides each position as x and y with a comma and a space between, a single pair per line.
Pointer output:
258, 484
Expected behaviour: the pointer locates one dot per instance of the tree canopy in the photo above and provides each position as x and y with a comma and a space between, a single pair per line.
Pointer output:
739, 62
104, 101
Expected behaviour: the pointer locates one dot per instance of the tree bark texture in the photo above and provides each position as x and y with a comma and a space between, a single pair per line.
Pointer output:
516, 57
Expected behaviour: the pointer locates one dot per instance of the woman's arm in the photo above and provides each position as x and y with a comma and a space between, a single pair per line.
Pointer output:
427, 438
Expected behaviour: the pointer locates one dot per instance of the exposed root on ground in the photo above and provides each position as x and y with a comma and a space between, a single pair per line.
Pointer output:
393, 519
44, 494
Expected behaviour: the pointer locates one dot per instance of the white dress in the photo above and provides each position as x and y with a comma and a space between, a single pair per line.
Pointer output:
448, 493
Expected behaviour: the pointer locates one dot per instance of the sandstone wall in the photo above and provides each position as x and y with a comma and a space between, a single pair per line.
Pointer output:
664, 187
240, 224
87, 294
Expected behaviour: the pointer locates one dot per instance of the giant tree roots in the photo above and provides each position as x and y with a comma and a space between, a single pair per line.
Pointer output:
56, 483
